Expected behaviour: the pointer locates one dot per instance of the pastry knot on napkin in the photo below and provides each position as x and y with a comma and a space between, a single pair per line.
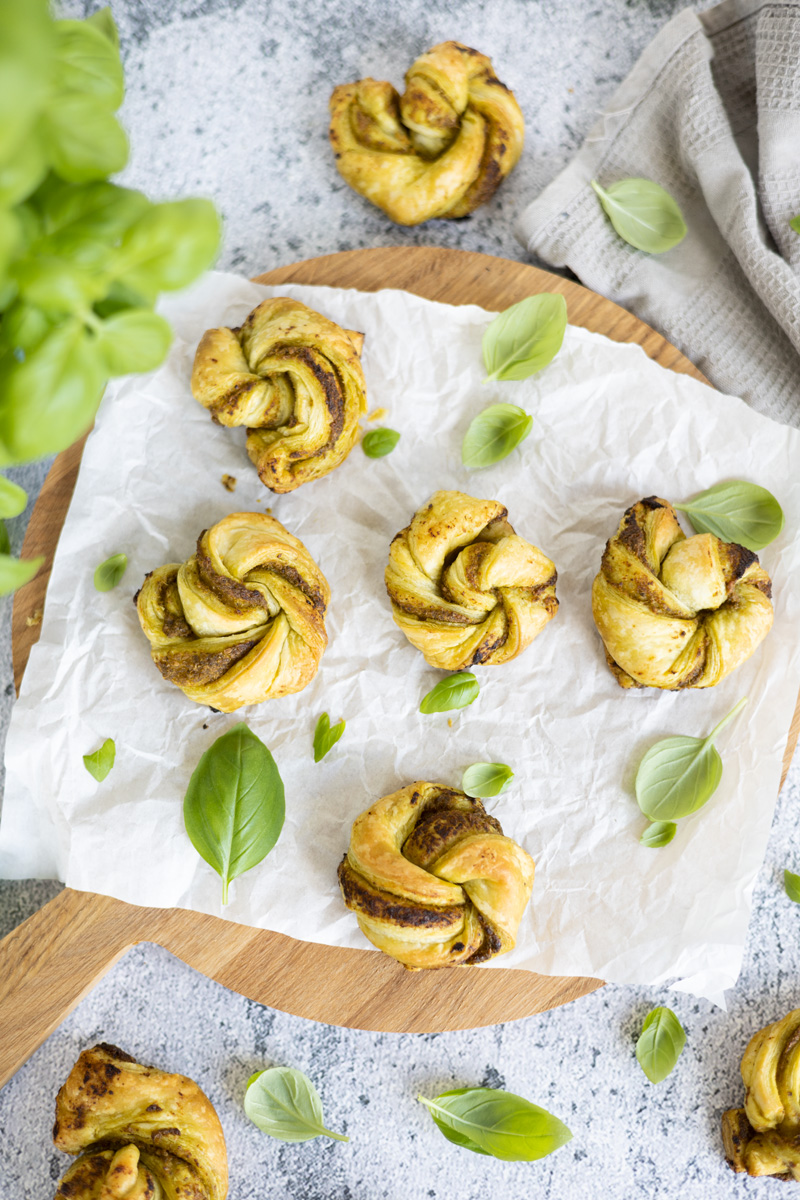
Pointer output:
294, 378
243, 620
677, 612
141, 1133
465, 588
432, 880
763, 1138
439, 150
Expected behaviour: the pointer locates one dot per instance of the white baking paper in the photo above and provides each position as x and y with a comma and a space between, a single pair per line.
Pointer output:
610, 427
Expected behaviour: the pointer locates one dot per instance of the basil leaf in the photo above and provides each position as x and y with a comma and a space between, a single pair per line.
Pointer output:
14, 572
285, 1104
109, 573
643, 214
490, 1121
795, 223
660, 1044
83, 138
75, 213
100, 763
325, 736
736, 511
104, 21
5, 541
88, 62
134, 340
494, 433
525, 337
486, 779
679, 775
456, 691
660, 833
792, 885
234, 806
168, 246
377, 443
13, 498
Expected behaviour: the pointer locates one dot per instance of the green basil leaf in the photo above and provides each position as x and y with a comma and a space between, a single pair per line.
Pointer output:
56, 285
84, 139
134, 340
15, 572
660, 833
13, 498
660, 1044
110, 572
456, 691
377, 443
490, 1121
24, 172
792, 885
643, 214
795, 223
89, 210
168, 246
10, 235
326, 736
5, 541
285, 1104
27, 37
100, 763
494, 433
87, 62
234, 806
525, 337
486, 779
736, 511
104, 21
24, 327
679, 775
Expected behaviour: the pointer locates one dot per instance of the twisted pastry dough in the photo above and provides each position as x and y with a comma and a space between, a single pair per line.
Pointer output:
432, 880
141, 1134
677, 612
464, 587
295, 379
763, 1138
243, 620
439, 150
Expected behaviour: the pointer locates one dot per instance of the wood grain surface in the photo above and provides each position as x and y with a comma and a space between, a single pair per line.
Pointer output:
51, 961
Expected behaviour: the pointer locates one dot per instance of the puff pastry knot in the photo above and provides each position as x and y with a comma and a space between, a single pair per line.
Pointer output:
432, 880
294, 378
439, 150
677, 612
763, 1138
141, 1133
243, 620
464, 587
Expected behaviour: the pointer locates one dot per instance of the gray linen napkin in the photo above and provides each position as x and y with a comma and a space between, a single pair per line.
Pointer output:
711, 112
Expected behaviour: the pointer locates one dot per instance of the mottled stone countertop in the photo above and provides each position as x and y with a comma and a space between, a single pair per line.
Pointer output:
228, 98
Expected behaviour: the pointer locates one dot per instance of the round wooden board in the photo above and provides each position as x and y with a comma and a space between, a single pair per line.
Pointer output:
58, 954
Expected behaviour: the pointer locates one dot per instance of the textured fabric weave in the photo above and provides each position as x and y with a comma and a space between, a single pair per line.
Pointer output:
711, 112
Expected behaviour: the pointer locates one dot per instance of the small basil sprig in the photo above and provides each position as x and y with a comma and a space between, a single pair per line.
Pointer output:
110, 572
679, 775
643, 214
326, 736
660, 833
457, 691
660, 1044
494, 433
13, 572
500, 1124
486, 779
234, 806
101, 761
795, 223
377, 443
791, 883
525, 337
285, 1104
736, 511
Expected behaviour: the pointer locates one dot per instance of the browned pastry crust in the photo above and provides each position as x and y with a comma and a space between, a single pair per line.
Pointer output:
432, 880
141, 1134
677, 612
439, 150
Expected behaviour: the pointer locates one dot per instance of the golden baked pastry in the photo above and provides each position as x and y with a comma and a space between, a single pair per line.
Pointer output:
243, 620
439, 150
464, 587
677, 612
432, 879
294, 379
141, 1133
763, 1138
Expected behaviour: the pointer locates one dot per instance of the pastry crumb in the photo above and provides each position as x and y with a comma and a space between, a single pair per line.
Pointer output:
229, 482
36, 619
450, 722
378, 414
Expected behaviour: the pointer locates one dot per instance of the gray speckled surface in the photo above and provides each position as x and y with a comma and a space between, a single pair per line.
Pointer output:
230, 100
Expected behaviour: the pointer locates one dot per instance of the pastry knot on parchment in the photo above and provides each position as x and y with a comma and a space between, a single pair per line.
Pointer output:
432, 880
294, 378
439, 150
465, 588
243, 620
677, 612
141, 1133
763, 1138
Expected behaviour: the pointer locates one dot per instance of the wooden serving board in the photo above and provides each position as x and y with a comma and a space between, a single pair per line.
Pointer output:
51, 961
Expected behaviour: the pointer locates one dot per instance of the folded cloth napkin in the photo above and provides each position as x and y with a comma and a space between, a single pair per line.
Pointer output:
711, 112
